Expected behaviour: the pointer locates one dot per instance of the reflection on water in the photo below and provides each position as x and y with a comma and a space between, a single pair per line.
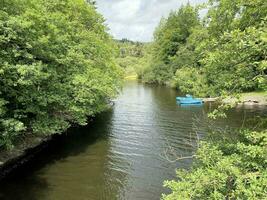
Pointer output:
118, 156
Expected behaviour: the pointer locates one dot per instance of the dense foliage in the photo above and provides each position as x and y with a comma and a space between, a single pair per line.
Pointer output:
226, 169
131, 56
170, 35
56, 66
224, 51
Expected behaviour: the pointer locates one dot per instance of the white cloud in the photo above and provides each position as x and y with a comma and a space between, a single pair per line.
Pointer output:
137, 19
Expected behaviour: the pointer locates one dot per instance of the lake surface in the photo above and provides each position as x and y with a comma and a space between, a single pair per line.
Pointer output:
120, 154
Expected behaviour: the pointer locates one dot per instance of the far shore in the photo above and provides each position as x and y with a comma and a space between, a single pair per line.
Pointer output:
250, 98
131, 77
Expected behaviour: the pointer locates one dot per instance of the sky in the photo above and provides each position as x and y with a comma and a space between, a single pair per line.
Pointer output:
137, 19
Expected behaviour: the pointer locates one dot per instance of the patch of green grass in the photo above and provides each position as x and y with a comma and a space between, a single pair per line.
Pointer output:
256, 93
131, 77
260, 96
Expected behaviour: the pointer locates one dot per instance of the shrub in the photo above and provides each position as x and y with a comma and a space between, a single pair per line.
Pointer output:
190, 80
235, 169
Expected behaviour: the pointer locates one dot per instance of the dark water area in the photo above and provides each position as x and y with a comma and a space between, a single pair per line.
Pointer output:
120, 155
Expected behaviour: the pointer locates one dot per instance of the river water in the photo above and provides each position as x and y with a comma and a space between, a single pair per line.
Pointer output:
121, 153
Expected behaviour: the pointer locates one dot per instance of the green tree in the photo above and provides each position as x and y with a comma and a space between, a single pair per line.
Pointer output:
56, 68
238, 63
170, 38
227, 48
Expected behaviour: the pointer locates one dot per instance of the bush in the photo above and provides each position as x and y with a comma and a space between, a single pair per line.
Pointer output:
234, 169
190, 80
158, 73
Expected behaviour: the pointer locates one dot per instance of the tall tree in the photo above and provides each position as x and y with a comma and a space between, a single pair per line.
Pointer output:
56, 68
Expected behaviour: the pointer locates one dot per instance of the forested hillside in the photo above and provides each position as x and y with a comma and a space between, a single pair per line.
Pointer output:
225, 51
132, 56
57, 66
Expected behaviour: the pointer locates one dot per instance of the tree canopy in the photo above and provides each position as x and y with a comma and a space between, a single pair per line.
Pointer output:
132, 56
226, 49
56, 66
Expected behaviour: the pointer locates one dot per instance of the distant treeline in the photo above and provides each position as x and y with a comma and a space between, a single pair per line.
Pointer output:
225, 51
130, 48
131, 56
57, 66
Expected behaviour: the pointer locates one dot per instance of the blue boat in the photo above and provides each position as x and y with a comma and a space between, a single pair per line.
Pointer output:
189, 100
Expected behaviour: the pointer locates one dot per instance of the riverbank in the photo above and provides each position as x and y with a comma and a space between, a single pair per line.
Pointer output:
131, 77
250, 98
247, 98
255, 97
24, 150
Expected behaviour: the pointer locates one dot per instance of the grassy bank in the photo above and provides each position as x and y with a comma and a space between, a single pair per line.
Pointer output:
260, 97
131, 77
249, 98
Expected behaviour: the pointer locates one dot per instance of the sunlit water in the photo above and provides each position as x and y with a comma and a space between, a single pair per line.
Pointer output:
120, 154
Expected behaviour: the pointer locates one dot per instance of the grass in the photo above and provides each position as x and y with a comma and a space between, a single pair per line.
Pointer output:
131, 77
257, 93
260, 96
